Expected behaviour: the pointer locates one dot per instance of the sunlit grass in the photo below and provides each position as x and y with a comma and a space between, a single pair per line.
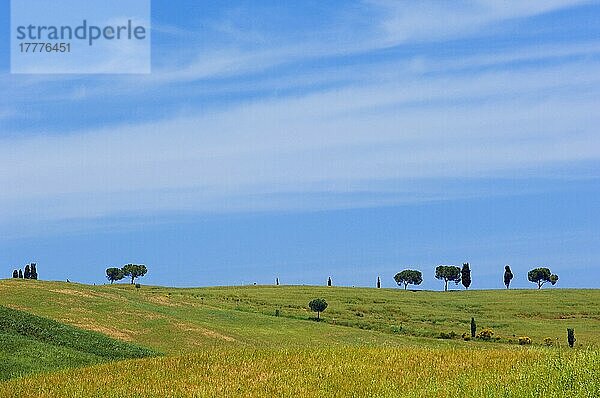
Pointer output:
227, 342
332, 372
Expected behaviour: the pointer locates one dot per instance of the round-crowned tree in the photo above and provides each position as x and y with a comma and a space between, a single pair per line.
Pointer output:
134, 271
318, 305
408, 277
448, 273
542, 276
114, 274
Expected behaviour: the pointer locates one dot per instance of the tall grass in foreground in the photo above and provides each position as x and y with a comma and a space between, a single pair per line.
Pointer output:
332, 372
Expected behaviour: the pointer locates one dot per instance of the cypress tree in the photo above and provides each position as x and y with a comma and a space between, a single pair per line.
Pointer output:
571, 337
27, 273
329, 282
15, 274
466, 275
34, 274
378, 283
473, 328
20, 274
508, 276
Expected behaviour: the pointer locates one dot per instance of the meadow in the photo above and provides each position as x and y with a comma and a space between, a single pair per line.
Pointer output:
228, 341
30, 344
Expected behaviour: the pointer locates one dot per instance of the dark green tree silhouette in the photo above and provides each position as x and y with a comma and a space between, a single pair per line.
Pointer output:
34, 274
448, 273
378, 283
27, 273
15, 274
114, 274
466, 275
508, 276
408, 277
20, 274
542, 276
329, 282
134, 271
318, 305
473, 328
571, 337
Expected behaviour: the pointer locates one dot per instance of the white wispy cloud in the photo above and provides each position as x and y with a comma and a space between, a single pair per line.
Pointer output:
271, 152
404, 21
386, 124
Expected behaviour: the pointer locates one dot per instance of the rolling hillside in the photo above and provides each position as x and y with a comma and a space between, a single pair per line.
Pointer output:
228, 341
192, 318
31, 344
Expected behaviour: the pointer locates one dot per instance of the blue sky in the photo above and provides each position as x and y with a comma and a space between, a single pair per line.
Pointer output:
302, 140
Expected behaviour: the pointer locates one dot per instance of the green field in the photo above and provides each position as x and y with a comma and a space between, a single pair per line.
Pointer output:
372, 342
31, 344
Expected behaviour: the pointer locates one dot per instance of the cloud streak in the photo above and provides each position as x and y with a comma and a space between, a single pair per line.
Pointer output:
336, 141
326, 136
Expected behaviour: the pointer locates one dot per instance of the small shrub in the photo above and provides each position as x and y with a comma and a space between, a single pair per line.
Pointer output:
359, 314
466, 337
277, 312
486, 334
138, 286
548, 341
524, 340
397, 329
448, 336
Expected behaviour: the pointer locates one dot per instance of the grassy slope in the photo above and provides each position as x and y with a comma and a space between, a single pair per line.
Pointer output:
181, 320
30, 344
150, 317
224, 335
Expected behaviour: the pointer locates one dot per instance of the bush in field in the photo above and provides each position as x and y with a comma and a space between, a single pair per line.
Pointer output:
542, 276
448, 336
548, 341
508, 276
448, 273
318, 305
408, 277
466, 337
486, 334
524, 340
